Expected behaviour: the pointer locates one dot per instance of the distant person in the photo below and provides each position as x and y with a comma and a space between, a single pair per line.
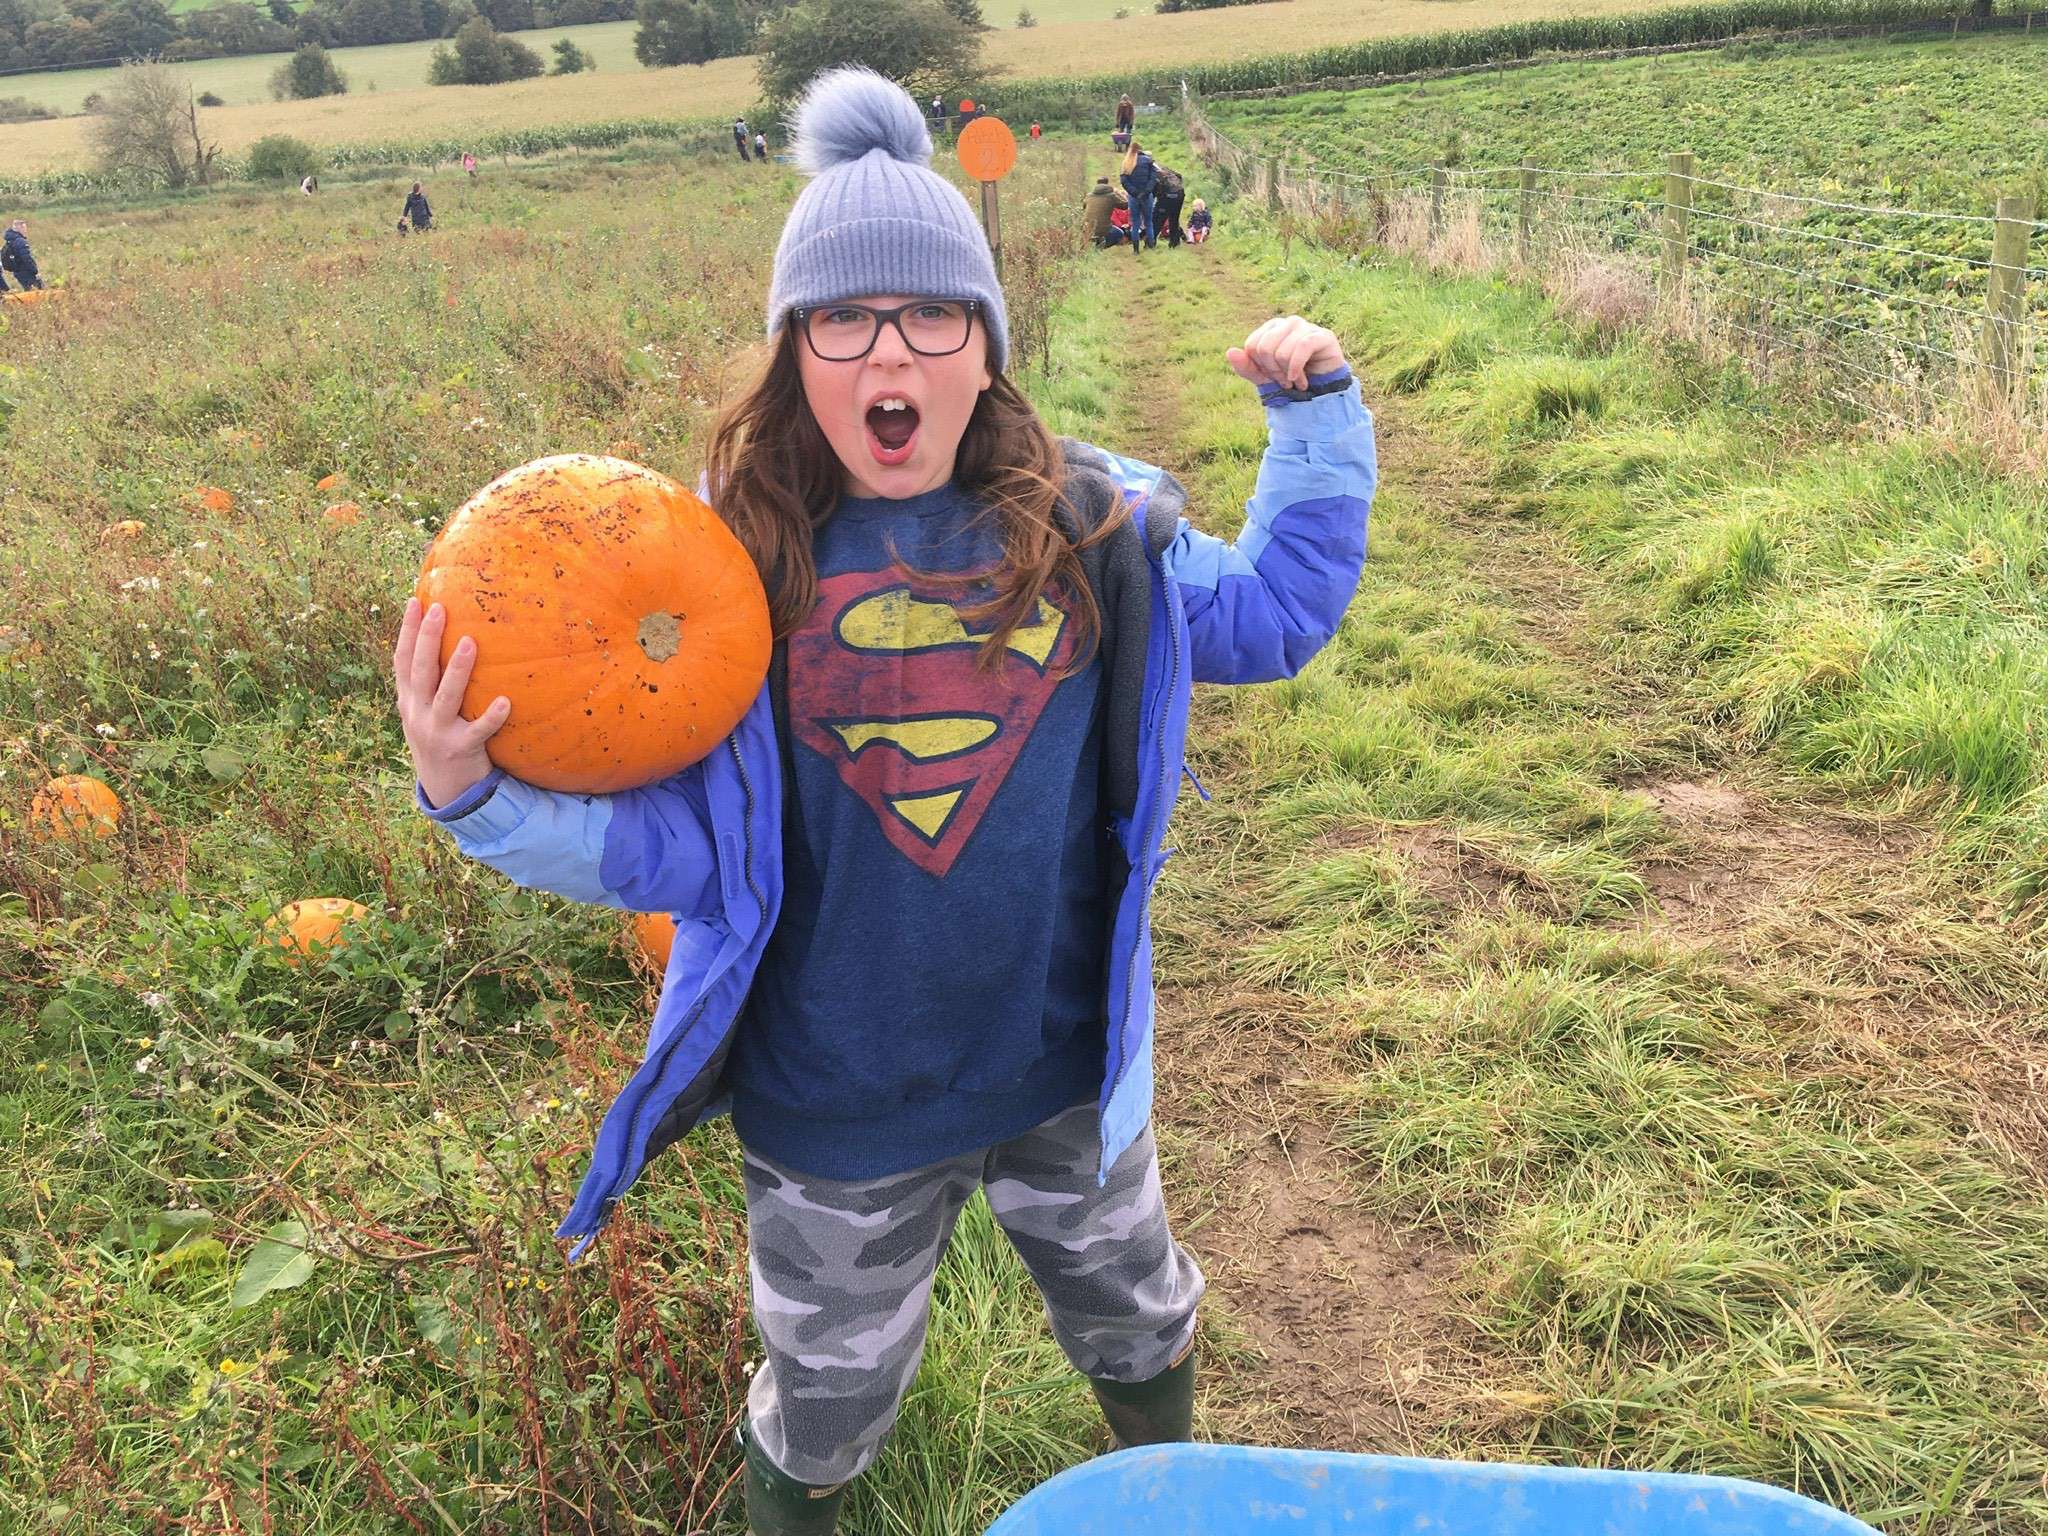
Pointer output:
739, 136
15, 257
417, 211
1172, 192
1141, 186
469, 164
403, 227
761, 147
1119, 225
1126, 120
1036, 131
968, 112
938, 114
1198, 222
309, 185
1099, 209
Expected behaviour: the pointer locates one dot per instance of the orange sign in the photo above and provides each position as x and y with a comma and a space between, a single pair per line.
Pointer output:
987, 149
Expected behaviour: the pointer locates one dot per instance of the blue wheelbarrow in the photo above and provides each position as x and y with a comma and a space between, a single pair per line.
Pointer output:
1241, 1490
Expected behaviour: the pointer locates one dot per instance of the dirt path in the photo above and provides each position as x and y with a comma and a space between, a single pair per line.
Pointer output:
1326, 1313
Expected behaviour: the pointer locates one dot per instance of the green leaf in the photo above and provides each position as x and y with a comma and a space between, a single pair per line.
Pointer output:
398, 1025
280, 1261
156, 756
224, 763
431, 1316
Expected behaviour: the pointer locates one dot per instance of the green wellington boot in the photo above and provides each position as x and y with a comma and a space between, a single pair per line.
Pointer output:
1154, 1412
779, 1505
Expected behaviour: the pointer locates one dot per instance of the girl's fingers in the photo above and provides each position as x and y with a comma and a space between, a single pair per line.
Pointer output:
485, 726
454, 682
426, 654
401, 654
1241, 361
1300, 349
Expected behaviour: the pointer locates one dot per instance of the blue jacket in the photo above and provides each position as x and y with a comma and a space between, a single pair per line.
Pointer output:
706, 845
18, 260
1142, 177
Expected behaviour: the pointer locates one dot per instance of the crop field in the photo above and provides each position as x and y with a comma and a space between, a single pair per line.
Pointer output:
404, 107
1599, 1014
1939, 127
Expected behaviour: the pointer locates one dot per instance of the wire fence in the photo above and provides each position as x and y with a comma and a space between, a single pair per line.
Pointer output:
1900, 306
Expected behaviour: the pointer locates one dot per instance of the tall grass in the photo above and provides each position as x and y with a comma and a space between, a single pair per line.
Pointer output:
389, 1135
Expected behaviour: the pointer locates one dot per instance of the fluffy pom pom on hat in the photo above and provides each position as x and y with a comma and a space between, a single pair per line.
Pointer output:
876, 218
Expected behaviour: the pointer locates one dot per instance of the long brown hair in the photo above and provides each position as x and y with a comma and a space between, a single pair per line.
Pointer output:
774, 478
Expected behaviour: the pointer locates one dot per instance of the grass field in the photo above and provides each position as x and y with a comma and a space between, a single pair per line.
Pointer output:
1055, 50
1940, 127
1929, 124
1643, 894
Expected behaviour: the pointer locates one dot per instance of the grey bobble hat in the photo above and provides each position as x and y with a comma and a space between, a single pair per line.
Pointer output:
876, 218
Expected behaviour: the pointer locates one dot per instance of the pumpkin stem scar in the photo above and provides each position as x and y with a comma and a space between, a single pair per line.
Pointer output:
660, 635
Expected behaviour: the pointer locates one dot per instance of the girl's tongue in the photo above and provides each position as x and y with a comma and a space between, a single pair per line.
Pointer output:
891, 430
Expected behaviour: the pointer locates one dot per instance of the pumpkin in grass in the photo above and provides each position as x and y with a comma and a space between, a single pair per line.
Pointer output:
214, 499
304, 929
655, 933
329, 482
618, 614
127, 528
75, 805
343, 512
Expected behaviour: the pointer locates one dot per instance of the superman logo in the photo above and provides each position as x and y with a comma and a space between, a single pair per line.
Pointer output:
883, 685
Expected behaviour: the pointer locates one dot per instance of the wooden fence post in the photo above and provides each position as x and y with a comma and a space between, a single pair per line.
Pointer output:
1525, 217
1677, 217
1272, 183
2005, 299
1439, 182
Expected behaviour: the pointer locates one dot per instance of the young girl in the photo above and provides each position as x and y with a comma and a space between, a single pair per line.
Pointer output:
912, 889
1199, 221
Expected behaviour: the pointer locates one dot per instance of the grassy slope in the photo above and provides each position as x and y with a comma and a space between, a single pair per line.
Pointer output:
1744, 1183
1947, 124
1049, 51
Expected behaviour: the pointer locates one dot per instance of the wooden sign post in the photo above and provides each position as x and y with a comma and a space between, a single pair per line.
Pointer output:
988, 152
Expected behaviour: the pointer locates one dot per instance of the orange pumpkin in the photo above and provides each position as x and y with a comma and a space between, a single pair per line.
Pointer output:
655, 932
343, 512
303, 929
329, 482
127, 528
624, 448
214, 499
612, 607
73, 806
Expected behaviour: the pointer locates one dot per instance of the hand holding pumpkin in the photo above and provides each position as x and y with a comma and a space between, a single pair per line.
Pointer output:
448, 751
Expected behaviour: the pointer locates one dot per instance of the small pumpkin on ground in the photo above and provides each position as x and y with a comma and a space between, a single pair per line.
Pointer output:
214, 499
618, 614
75, 805
343, 512
127, 528
655, 933
329, 482
305, 929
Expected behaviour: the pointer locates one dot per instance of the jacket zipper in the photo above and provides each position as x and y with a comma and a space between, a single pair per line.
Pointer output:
1152, 831
611, 1199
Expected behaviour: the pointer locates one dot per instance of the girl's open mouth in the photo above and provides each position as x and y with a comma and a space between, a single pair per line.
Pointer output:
892, 429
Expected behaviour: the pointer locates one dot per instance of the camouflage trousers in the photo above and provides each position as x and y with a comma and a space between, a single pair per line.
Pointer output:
842, 1280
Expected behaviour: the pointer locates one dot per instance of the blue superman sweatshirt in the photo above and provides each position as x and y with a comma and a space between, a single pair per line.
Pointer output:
935, 981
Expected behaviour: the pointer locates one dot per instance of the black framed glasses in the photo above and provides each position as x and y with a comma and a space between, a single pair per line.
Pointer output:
844, 333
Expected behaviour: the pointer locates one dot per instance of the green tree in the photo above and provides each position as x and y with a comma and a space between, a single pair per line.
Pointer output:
481, 57
920, 43
969, 13
692, 31
309, 72
280, 157
282, 13
569, 59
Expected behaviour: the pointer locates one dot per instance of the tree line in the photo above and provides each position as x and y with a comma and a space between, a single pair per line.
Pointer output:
70, 34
